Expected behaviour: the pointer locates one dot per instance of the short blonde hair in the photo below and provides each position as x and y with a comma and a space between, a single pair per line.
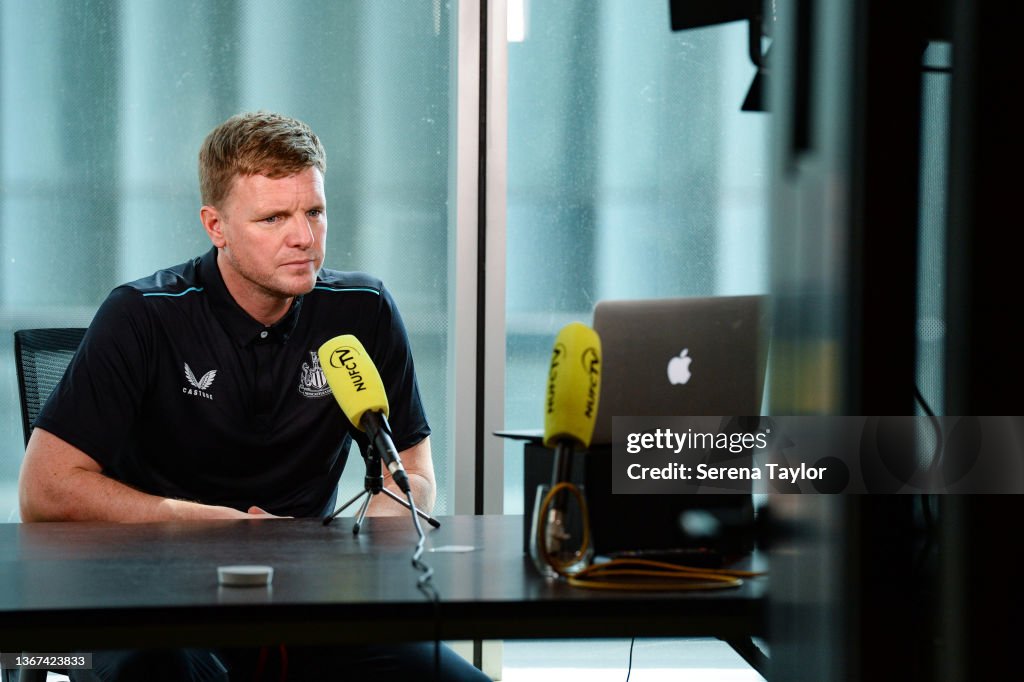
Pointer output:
256, 143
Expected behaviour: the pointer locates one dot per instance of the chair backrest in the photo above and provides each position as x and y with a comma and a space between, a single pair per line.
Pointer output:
41, 356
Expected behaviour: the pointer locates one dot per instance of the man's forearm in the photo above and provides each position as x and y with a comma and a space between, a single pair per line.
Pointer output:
420, 468
422, 494
89, 496
61, 483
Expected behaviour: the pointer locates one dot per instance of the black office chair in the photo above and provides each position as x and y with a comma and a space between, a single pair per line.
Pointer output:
41, 356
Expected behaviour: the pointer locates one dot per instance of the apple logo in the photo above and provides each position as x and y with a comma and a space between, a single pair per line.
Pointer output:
679, 368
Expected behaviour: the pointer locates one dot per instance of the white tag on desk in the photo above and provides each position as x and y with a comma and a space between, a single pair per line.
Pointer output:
245, 576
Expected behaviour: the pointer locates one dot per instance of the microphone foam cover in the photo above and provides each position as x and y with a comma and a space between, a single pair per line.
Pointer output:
574, 385
353, 378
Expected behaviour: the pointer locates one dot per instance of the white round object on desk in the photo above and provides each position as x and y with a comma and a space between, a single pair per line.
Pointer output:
245, 576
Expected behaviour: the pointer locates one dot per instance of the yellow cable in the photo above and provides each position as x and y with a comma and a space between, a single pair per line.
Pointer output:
620, 574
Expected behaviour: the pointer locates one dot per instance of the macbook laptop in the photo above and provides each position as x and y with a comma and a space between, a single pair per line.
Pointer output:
680, 357
673, 357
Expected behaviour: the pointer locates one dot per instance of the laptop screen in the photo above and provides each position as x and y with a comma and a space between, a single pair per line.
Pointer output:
673, 357
680, 357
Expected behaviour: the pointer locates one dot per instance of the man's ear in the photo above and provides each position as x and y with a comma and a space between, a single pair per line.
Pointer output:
213, 224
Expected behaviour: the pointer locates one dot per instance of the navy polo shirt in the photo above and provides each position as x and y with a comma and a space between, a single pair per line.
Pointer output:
178, 392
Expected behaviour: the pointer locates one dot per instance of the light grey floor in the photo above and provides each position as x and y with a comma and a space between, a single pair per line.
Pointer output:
654, 660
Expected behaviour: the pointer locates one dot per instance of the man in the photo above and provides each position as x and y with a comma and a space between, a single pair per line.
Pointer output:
197, 393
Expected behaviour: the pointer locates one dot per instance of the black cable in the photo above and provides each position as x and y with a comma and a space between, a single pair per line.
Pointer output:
425, 585
925, 499
629, 665
936, 424
923, 402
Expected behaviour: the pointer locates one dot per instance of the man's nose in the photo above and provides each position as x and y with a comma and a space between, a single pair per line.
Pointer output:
300, 232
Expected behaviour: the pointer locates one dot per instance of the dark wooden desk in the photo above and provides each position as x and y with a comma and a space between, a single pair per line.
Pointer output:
91, 585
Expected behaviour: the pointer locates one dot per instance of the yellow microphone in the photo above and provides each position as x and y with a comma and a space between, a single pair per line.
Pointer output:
359, 390
574, 385
570, 411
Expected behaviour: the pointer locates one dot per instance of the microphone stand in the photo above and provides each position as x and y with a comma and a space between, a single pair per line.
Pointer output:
373, 483
561, 472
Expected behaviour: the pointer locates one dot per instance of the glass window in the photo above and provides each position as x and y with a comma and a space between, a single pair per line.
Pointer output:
931, 286
632, 174
103, 106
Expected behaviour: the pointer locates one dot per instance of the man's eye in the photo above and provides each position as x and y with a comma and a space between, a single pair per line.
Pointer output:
271, 219
315, 213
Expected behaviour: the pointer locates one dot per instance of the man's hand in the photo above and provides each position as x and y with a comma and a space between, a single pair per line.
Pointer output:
256, 512
182, 510
59, 482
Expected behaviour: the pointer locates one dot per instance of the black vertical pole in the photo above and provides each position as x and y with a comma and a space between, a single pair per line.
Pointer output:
888, 623
984, 370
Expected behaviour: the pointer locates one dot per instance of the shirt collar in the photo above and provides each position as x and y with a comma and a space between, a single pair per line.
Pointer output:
238, 323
